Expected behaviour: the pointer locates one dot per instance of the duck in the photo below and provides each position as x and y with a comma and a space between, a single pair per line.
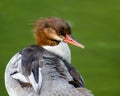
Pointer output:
45, 69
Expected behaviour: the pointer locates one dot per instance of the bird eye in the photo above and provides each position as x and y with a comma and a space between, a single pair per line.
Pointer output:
59, 32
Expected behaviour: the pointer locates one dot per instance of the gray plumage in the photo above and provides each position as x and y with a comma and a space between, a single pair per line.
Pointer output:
59, 78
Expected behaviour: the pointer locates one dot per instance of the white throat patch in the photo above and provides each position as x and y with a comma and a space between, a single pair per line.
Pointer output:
61, 49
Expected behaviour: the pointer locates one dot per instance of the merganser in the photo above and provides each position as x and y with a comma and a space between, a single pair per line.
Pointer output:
45, 69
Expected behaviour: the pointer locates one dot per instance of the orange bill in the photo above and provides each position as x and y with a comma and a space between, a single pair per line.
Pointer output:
70, 40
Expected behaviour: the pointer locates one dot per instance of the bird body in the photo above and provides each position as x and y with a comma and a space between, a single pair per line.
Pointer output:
44, 69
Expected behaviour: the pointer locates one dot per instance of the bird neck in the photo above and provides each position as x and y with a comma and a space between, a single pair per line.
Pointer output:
62, 49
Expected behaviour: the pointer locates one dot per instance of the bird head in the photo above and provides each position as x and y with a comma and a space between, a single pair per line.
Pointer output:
51, 31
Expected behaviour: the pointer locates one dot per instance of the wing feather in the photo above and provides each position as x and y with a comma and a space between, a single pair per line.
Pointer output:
28, 69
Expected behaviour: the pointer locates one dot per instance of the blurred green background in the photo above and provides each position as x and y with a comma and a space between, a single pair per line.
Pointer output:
95, 23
